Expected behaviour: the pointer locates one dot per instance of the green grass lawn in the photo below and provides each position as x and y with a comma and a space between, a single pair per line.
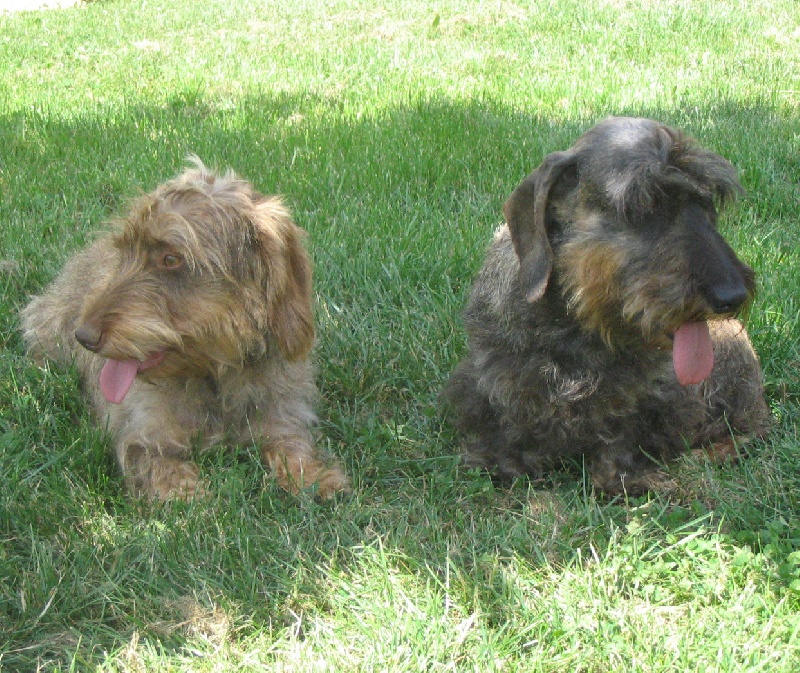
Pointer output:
395, 132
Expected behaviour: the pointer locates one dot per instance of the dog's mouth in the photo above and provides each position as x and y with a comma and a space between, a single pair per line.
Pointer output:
117, 376
692, 353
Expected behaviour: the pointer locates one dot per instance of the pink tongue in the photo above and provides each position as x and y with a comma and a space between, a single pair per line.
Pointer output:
692, 353
116, 378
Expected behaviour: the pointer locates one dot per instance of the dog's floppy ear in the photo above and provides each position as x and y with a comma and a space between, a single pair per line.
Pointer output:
525, 212
287, 286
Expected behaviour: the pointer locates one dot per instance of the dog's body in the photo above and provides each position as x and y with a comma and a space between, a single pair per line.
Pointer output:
191, 323
592, 323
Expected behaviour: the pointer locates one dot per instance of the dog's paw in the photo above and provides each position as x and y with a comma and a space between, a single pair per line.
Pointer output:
326, 479
174, 479
296, 469
617, 482
720, 453
332, 480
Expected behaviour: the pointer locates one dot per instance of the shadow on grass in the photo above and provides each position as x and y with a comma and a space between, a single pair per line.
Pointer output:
399, 208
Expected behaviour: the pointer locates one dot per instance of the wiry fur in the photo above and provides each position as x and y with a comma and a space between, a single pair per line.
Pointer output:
609, 248
232, 316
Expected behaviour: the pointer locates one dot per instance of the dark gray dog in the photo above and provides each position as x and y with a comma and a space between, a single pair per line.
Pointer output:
602, 323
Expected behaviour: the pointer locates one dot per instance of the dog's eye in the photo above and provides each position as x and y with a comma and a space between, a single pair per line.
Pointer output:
171, 261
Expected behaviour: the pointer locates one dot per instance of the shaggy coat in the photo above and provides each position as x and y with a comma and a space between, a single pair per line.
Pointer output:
601, 326
191, 323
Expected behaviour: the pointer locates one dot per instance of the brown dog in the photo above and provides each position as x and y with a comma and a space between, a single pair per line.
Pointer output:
602, 323
191, 324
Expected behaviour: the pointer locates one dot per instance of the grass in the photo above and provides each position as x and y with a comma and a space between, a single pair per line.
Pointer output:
395, 131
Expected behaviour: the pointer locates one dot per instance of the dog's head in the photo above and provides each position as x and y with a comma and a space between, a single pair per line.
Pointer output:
209, 274
627, 217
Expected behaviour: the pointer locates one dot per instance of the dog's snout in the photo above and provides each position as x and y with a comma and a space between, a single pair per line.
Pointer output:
725, 282
727, 297
89, 337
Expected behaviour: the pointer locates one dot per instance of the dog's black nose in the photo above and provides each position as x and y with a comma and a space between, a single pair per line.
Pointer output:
89, 337
727, 297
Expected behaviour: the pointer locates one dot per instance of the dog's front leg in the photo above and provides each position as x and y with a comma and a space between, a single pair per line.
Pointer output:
617, 470
297, 466
159, 472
